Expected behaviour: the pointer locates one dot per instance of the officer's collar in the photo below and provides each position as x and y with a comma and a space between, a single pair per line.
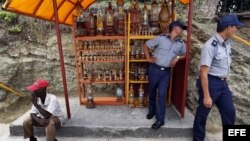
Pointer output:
168, 36
165, 34
221, 40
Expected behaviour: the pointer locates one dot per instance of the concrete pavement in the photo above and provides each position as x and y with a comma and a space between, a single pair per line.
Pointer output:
112, 123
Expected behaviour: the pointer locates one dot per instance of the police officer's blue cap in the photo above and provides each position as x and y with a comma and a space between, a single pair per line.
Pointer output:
177, 23
229, 20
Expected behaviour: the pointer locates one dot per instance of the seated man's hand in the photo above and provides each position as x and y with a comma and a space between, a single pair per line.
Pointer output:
44, 122
152, 60
34, 99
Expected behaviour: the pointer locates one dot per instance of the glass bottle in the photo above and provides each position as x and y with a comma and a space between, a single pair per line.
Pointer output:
119, 94
137, 54
131, 97
91, 20
90, 97
109, 29
99, 22
154, 13
141, 96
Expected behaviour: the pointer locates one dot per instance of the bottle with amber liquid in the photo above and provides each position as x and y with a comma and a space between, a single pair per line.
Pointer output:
120, 17
137, 54
90, 97
131, 72
109, 22
132, 53
92, 25
131, 97
136, 73
145, 20
141, 96
99, 22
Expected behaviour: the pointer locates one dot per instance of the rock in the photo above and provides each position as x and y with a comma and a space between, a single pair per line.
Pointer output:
2, 95
205, 9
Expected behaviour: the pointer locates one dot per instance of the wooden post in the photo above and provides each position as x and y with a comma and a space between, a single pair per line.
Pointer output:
187, 61
59, 43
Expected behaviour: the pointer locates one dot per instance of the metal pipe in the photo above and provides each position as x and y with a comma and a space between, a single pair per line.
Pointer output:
59, 43
241, 40
11, 90
187, 64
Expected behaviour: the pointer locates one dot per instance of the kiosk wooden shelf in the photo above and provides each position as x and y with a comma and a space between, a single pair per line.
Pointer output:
138, 60
144, 37
99, 37
101, 82
104, 101
110, 61
96, 54
138, 84
99, 50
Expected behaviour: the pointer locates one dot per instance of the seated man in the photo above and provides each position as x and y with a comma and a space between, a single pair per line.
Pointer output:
45, 111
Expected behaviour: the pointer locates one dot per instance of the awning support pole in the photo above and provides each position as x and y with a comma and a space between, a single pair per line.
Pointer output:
187, 63
59, 43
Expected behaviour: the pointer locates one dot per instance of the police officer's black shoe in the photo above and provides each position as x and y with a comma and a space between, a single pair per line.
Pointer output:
33, 139
150, 116
157, 125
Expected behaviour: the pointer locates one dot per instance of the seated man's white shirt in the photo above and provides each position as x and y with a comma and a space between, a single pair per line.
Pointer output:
51, 105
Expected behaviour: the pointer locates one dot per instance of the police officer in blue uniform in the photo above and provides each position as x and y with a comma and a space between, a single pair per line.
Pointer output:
214, 67
168, 49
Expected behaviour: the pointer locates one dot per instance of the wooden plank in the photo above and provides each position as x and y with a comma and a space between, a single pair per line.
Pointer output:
101, 82
100, 37
141, 37
105, 101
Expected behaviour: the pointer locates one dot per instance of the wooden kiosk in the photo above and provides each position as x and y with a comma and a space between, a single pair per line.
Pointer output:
86, 51
62, 11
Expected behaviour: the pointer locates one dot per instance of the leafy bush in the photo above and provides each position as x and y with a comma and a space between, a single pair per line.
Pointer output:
15, 29
8, 16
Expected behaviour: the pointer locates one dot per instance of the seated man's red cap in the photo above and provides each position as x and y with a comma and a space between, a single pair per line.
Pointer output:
38, 84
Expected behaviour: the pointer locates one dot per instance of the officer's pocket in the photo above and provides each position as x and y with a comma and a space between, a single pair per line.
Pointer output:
220, 60
223, 61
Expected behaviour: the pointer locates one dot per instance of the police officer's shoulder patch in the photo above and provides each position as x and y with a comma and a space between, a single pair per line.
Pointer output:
214, 43
164, 34
180, 40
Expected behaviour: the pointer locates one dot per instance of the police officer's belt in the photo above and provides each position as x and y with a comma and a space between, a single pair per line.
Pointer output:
160, 67
217, 77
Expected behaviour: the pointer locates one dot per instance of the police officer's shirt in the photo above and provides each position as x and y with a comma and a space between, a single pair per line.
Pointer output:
166, 49
216, 55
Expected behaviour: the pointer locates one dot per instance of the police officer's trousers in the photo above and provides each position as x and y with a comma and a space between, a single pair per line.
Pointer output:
222, 97
157, 90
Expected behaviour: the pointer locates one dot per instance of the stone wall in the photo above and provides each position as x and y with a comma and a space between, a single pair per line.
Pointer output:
26, 57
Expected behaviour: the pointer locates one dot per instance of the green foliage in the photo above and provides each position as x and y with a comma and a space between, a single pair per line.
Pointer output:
15, 29
7, 16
